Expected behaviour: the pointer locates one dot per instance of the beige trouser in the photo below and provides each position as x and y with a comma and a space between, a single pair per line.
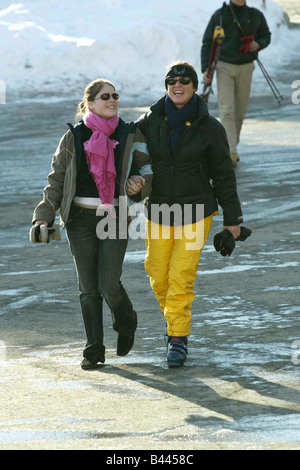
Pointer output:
234, 85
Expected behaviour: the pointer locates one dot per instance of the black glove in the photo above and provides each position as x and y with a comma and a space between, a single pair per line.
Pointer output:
225, 243
245, 233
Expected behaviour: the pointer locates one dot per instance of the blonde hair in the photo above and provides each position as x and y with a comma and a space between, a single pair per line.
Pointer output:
90, 94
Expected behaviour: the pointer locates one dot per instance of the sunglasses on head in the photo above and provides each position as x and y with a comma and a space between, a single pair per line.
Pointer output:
107, 96
182, 80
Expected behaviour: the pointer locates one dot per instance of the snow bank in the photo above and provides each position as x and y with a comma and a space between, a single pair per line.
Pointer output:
57, 47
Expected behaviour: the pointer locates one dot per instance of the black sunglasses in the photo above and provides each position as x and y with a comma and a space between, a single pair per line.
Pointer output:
182, 80
107, 96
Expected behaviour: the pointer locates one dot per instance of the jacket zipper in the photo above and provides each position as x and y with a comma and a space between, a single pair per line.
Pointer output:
173, 162
172, 171
172, 167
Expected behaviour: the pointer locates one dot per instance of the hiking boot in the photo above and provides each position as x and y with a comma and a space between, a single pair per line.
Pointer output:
177, 351
125, 344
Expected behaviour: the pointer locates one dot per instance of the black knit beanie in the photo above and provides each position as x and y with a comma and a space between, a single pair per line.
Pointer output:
183, 71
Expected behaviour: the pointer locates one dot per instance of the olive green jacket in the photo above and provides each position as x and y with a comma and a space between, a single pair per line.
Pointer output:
61, 188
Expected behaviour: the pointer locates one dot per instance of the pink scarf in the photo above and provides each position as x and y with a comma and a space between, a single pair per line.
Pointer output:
100, 154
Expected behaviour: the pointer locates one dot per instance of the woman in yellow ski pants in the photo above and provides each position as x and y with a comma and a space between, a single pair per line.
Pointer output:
192, 169
172, 260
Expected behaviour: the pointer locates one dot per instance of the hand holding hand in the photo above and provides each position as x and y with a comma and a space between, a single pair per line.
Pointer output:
134, 184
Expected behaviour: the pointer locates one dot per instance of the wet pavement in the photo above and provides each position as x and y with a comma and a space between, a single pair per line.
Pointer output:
240, 386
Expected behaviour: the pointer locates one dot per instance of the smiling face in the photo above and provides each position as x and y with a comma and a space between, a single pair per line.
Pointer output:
104, 109
181, 94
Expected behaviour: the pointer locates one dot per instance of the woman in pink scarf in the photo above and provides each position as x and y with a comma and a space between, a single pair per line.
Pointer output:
89, 170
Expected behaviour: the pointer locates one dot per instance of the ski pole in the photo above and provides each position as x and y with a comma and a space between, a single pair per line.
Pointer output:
255, 54
271, 84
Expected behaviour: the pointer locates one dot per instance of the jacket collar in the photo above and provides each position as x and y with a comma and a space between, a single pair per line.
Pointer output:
238, 8
158, 108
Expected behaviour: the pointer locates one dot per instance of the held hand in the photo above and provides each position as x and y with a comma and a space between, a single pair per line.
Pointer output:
235, 230
134, 184
254, 46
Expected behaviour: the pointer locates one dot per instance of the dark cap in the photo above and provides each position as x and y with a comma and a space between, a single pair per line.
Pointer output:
182, 70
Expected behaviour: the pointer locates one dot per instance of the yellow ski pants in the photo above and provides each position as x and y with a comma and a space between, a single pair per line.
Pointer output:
172, 260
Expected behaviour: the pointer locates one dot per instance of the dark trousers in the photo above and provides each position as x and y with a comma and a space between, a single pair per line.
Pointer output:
99, 269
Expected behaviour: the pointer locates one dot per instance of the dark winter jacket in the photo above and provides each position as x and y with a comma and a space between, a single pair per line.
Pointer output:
252, 22
200, 170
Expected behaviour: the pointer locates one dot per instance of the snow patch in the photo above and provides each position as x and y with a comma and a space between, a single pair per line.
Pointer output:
57, 47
